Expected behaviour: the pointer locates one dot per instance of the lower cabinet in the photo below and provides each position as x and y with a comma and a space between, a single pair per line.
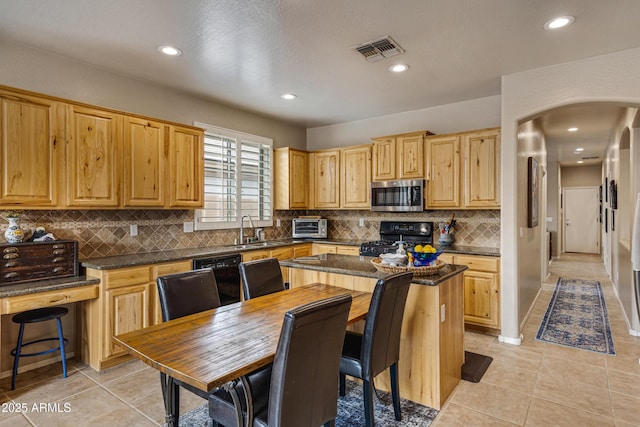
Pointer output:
128, 300
329, 248
481, 288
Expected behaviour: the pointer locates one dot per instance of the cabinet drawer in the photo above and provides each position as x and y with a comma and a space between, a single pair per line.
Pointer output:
22, 262
127, 277
446, 258
282, 253
479, 263
48, 299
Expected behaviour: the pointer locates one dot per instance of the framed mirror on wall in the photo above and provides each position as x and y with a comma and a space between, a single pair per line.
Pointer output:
533, 193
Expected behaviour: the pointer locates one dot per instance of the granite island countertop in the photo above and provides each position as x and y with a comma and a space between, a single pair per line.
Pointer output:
36, 286
355, 265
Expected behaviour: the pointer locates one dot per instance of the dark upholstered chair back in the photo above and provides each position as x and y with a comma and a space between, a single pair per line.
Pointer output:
381, 338
261, 277
187, 293
305, 369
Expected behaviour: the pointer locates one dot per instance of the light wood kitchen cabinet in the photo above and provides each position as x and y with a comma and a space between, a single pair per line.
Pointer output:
331, 248
356, 177
254, 255
481, 288
186, 168
145, 159
127, 301
481, 151
443, 172
93, 163
291, 179
326, 181
31, 146
347, 250
304, 249
399, 156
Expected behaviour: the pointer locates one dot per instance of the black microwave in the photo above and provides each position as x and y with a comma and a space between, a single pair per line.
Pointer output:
398, 196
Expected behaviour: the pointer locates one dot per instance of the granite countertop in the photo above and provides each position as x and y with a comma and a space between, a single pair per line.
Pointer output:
143, 258
36, 286
361, 266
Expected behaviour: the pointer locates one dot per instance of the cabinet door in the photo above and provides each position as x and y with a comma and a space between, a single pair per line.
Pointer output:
327, 180
410, 155
291, 176
347, 250
321, 248
443, 177
31, 140
384, 159
127, 310
356, 177
482, 169
302, 250
253, 255
186, 160
93, 157
481, 299
145, 158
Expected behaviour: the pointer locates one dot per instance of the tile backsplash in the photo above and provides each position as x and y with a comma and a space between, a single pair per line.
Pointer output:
105, 233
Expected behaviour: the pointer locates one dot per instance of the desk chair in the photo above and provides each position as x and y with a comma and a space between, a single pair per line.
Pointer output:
261, 277
366, 355
300, 388
182, 294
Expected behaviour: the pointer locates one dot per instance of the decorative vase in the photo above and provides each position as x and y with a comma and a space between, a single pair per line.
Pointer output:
14, 233
446, 239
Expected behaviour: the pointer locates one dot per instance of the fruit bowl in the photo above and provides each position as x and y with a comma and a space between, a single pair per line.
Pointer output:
421, 259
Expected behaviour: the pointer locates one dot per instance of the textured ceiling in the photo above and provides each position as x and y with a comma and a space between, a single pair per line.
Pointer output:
247, 53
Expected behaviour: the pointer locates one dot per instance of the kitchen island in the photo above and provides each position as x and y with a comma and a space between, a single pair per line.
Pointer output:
432, 341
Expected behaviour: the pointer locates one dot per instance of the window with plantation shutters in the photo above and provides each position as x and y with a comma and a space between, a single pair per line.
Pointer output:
237, 179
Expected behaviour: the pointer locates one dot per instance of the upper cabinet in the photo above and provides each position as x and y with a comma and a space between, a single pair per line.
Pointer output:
399, 156
291, 170
93, 162
326, 179
463, 170
186, 167
482, 169
31, 143
356, 176
57, 154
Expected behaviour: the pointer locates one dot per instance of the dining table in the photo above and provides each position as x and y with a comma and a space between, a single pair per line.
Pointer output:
217, 348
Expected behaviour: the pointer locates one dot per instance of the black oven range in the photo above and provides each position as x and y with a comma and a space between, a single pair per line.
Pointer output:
391, 232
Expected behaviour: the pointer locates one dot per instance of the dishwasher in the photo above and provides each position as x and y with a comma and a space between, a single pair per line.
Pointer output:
225, 270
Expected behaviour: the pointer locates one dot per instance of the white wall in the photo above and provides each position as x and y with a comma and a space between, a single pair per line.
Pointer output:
458, 117
37, 71
612, 77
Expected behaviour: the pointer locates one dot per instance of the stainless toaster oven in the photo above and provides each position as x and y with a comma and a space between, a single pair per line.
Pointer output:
310, 228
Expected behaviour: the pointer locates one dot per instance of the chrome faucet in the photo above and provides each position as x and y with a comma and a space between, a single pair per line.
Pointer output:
242, 242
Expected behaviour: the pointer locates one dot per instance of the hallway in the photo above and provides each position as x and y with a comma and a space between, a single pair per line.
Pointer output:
539, 384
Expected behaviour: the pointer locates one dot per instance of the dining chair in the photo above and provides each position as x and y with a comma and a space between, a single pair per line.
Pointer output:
366, 355
182, 294
299, 389
261, 277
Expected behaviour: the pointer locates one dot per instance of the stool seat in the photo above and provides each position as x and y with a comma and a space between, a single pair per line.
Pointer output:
35, 316
40, 315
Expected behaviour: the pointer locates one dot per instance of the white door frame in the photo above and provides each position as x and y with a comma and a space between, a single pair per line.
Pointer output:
564, 219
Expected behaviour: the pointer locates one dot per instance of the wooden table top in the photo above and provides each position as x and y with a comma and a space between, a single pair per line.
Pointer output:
211, 348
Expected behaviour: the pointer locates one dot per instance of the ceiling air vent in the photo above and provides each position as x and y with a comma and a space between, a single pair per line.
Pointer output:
379, 49
590, 157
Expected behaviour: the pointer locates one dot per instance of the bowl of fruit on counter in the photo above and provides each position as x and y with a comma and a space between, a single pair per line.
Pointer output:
423, 256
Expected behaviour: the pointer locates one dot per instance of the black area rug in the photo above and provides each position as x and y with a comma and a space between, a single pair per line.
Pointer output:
475, 365
350, 411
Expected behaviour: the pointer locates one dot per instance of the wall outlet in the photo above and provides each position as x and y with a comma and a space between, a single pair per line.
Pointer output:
133, 229
187, 227
278, 223
361, 222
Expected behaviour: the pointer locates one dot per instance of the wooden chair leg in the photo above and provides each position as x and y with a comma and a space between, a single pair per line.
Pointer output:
395, 391
343, 384
369, 419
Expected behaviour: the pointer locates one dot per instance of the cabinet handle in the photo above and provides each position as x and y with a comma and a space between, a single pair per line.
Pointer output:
58, 246
59, 252
10, 250
11, 275
10, 264
58, 270
11, 256
58, 259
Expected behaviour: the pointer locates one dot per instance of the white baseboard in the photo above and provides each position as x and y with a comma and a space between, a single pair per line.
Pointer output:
513, 341
634, 333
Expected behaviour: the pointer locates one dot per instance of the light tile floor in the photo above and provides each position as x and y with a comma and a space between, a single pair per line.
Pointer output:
539, 384
535, 384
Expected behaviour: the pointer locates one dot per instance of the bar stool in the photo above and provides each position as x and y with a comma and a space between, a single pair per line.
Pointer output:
35, 316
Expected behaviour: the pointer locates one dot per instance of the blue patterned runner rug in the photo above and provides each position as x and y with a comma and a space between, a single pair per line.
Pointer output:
577, 317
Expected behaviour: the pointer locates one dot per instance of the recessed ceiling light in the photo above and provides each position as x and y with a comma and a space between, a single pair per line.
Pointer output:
580, 162
573, 129
288, 96
399, 68
579, 150
559, 22
170, 50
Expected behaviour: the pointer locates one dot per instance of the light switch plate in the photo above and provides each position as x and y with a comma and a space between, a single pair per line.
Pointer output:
187, 227
133, 229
